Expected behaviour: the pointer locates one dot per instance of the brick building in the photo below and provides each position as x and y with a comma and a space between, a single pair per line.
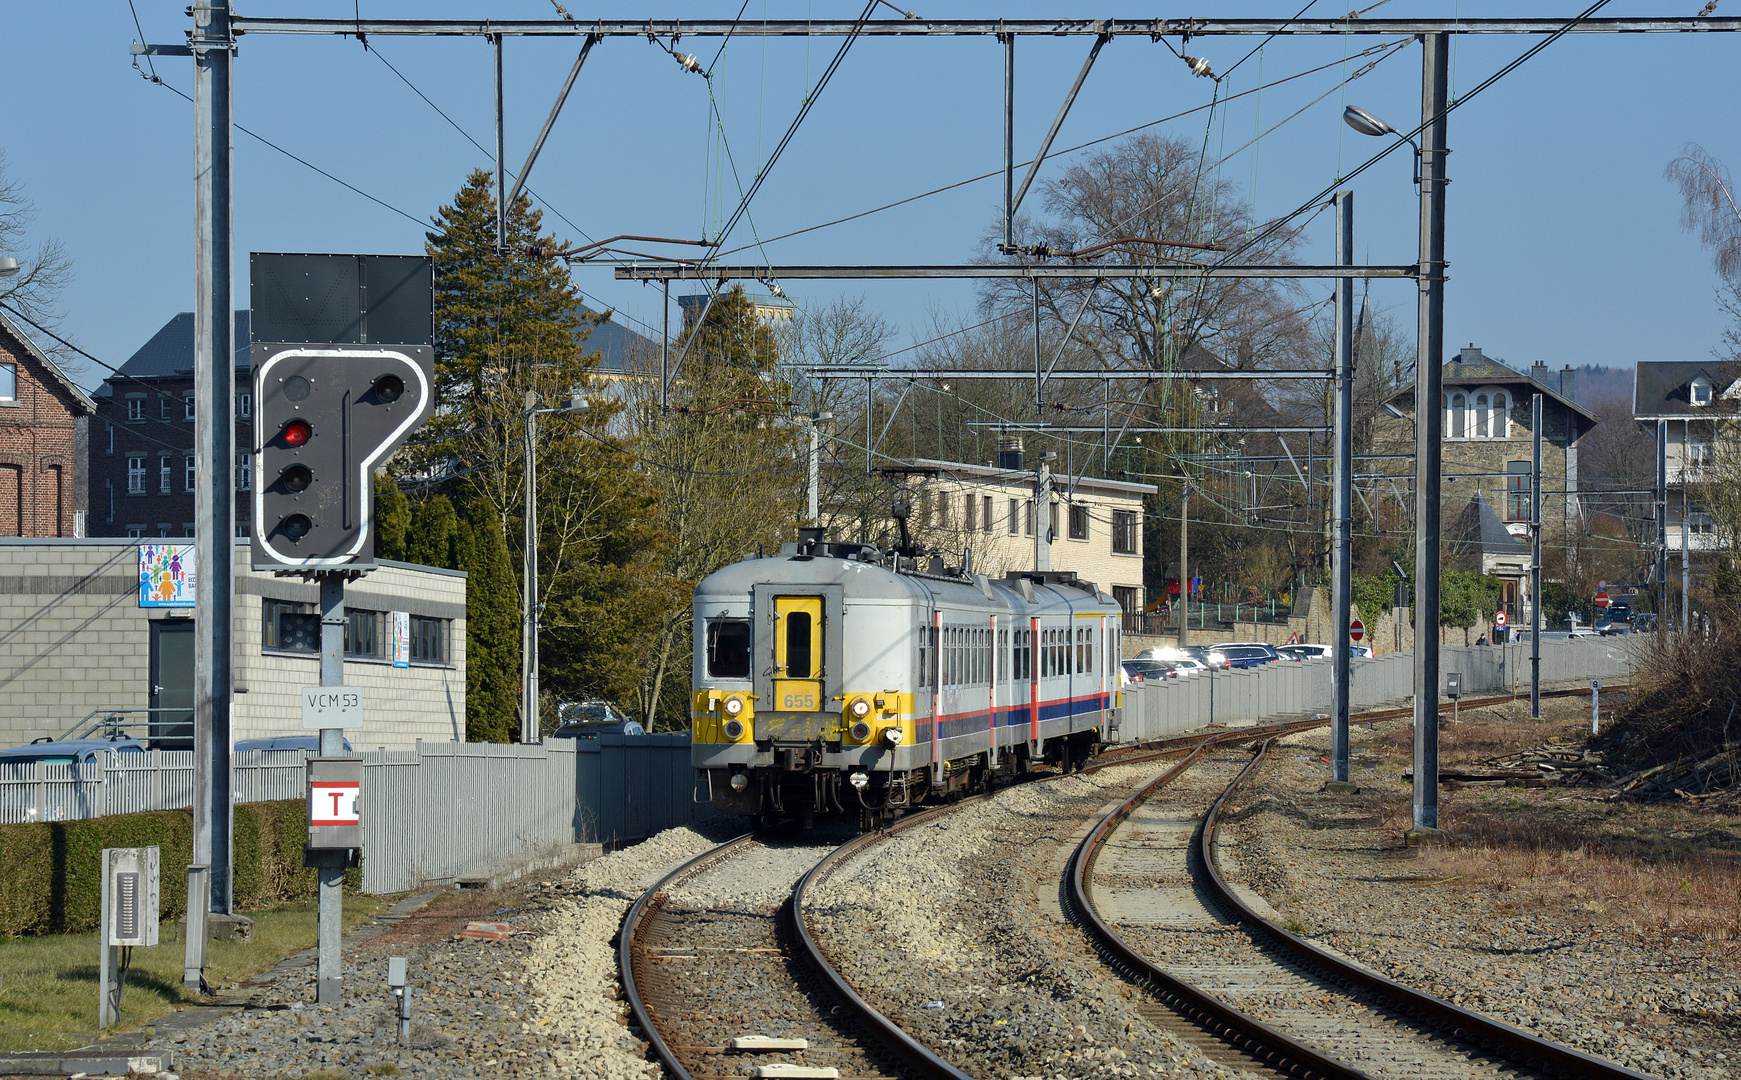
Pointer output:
1488, 462
142, 438
42, 419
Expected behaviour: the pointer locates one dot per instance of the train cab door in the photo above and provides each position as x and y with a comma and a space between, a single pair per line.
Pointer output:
798, 653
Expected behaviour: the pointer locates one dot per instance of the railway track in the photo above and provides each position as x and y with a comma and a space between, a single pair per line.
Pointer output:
1150, 868
708, 969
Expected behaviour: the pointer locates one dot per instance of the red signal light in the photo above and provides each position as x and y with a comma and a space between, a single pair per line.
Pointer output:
297, 433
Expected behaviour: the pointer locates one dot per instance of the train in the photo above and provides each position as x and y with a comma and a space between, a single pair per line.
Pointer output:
835, 678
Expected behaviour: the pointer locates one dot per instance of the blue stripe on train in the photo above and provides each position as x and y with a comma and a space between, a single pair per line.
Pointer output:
1014, 716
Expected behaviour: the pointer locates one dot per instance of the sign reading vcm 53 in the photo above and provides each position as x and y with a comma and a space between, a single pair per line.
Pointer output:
332, 707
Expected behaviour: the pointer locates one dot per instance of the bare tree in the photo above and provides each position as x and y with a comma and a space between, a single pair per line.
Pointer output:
34, 291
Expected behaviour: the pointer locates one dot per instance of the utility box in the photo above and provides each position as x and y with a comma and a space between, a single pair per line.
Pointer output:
335, 803
1453, 684
130, 896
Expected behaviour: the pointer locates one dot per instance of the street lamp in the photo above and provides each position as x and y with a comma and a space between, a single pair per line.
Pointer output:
817, 419
1367, 124
529, 726
8, 266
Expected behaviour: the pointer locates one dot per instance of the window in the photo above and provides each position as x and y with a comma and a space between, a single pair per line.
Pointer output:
1015, 516
1501, 417
8, 382
1078, 521
728, 649
798, 645
136, 475
1129, 598
927, 646
1517, 493
942, 510
968, 507
289, 626
244, 472
430, 636
165, 408
187, 407
244, 406
1053, 525
135, 409
1028, 515
1699, 522
985, 509
164, 472
1481, 416
1699, 393
1124, 533
110, 429
1698, 451
363, 633
1457, 428
188, 464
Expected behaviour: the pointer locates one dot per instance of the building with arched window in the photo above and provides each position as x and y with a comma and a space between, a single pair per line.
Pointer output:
1487, 448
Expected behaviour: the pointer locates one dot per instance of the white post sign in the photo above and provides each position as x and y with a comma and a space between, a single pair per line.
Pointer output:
1595, 703
332, 707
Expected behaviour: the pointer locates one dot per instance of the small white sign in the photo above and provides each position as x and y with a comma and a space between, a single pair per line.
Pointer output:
334, 803
332, 707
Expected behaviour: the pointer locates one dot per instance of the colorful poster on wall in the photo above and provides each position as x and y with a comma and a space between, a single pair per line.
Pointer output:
166, 575
401, 639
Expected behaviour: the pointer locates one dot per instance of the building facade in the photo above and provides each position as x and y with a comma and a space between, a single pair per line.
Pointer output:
1096, 525
1488, 462
93, 630
43, 416
142, 438
1695, 403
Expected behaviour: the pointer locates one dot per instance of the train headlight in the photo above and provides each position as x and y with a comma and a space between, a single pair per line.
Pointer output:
860, 708
734, 706
860, 731
891, 736
739, 781
859, 780
734, 730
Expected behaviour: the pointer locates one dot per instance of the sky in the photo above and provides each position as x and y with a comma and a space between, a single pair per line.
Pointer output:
1563, 236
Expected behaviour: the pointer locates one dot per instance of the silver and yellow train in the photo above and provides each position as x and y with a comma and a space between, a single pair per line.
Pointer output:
834, 679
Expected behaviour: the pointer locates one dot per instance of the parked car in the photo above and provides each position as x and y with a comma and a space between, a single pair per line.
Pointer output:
590, 719
309, 743
1244, 654
1186, 660
1135, 671
1360, 650
1304, 651
70, 751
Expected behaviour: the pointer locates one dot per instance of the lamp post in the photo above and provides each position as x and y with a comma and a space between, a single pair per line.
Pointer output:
529, 725
8, 266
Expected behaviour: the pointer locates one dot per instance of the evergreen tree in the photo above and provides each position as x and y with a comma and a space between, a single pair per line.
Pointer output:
392, 518
492, 605
433, 538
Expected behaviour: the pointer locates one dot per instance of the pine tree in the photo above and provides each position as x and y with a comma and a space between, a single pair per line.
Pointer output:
392, 518
433, 538
492, 601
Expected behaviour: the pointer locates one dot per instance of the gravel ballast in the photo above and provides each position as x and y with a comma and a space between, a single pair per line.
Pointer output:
946, 928
545, 1002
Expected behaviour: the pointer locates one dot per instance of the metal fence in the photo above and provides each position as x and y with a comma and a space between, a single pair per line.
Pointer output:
1155, 710
429, 814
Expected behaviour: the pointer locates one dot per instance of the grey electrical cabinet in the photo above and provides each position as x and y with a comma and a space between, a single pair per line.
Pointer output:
1453, 684
335, 803
130, 896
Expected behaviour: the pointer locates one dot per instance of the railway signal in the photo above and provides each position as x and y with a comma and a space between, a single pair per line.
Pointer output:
326, 417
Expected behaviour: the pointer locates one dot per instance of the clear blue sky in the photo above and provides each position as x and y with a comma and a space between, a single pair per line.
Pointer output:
1563, 236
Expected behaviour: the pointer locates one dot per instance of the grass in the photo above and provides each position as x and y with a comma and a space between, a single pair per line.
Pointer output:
48, 984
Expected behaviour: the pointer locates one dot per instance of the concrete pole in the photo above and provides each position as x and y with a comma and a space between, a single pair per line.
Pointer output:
529, 726
329, 917
501, 170
1535, 560
1662, 524
215, 484
814, 508
1342, 465
1185, 568
1009, 140
1429, 421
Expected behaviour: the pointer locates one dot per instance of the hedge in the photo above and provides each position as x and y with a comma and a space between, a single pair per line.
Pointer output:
51, 872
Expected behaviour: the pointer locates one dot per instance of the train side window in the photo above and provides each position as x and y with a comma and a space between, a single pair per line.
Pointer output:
798, 645
728, 649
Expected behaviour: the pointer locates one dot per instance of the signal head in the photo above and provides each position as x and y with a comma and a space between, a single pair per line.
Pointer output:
296, 433
388, 388
297, 477
295, 527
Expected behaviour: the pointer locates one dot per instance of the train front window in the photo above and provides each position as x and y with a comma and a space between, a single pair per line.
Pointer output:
798, 645
728, 649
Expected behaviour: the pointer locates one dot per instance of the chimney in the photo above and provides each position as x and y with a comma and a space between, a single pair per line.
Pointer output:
1469, 355
1569, 384
1539, 372
1009, 452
